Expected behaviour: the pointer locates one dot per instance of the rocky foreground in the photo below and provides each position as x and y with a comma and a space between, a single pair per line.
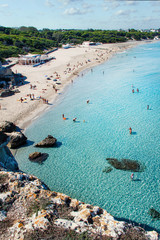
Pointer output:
29, 210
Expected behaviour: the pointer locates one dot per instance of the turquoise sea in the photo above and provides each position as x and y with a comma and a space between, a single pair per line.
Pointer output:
76, 166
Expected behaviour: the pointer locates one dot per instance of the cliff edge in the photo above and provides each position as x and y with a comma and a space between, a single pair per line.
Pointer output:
29, 210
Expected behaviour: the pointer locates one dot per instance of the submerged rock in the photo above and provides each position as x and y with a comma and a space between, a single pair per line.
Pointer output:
7, 126
154, 213
107, 169
38, 157
17, 139
49, 141
126, 164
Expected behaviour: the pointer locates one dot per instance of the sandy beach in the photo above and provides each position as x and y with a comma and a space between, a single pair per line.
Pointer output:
44, 83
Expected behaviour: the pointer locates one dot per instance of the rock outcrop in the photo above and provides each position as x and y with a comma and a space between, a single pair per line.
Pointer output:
49, 141
28, 210
6, 158
17, 139
38, 157
7, 127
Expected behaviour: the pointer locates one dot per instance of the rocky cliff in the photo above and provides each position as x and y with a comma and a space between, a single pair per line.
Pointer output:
29, 210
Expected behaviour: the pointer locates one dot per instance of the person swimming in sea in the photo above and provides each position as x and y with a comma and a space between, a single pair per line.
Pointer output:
74, 119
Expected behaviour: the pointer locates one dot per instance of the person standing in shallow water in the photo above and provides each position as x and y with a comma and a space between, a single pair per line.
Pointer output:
130, 130
147, 107
132, 176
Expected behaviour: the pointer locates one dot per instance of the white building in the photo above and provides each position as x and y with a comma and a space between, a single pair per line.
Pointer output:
32, 60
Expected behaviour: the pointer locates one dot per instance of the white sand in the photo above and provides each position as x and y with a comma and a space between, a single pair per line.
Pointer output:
74, 58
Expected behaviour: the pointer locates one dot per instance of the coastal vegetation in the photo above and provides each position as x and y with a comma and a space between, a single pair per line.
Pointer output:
15, 41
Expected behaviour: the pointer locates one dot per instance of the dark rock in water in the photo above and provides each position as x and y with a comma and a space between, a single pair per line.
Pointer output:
34, 155
126, 164
47, 142
38, 157
3, 137
154, 214
7, 127
107, 169
17, 139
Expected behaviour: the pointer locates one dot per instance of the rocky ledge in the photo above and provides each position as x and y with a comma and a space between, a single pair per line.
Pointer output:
29, 210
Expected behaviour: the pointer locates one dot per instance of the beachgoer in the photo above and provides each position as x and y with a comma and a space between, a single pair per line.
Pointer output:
147, 107
0, 106
62, 115
132, 90
132, 176
130, 130
87, 101
84, 121
21, 99
137, 90
74, 119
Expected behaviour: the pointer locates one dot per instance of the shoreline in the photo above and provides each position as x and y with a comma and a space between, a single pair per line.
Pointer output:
56, 97
66, 68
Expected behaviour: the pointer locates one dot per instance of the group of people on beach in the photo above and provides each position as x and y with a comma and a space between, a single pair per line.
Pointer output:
45, 101
32, 86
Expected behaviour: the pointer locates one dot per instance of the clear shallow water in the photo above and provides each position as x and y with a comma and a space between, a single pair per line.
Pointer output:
75, 168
